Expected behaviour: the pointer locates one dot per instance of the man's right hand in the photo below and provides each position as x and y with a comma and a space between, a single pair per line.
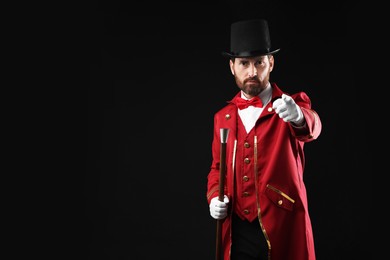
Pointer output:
218, 209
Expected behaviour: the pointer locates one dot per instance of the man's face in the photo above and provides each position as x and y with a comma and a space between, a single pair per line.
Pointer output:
252, 74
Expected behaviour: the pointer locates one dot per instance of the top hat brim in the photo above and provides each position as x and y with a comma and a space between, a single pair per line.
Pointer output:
247, 54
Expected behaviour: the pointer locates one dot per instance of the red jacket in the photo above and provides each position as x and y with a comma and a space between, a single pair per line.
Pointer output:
281, 192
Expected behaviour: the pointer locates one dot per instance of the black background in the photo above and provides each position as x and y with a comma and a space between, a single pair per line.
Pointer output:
156, 78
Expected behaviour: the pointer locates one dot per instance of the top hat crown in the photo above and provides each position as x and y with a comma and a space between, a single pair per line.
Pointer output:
250, 38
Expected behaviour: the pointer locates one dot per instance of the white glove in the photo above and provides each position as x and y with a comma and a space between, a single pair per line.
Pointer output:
288, 110
218, 209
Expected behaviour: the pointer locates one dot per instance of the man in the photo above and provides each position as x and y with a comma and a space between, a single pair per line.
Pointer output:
265, 209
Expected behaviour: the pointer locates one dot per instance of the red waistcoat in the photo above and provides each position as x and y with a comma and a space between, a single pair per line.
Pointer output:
245, 202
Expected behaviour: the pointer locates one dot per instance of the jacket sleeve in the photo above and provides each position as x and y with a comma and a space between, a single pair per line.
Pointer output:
313, 126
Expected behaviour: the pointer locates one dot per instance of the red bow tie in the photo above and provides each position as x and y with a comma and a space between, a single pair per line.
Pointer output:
243, 103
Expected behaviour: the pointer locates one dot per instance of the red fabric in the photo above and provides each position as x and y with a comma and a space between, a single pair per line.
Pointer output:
281, 164
245, 206
244, 103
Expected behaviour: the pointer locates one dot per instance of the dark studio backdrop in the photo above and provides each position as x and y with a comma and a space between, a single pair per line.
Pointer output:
156, 78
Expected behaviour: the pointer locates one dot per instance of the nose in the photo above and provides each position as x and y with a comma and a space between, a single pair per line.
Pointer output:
252, 71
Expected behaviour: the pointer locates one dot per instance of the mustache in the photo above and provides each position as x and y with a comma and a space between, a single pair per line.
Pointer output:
252, 79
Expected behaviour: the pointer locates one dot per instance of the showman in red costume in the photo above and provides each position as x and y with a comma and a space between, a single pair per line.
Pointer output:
265, 209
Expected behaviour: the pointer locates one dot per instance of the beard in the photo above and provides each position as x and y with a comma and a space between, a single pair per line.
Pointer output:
251, 86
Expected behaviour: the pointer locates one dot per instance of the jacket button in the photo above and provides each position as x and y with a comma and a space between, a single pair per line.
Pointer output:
246, 212
227, 116
270, 109
247, 145
245, 194
245, 178
247, 161
280, 202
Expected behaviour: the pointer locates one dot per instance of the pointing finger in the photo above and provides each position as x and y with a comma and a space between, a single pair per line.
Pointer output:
277, 103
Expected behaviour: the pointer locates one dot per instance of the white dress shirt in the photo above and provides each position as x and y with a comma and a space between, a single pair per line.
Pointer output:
250, 114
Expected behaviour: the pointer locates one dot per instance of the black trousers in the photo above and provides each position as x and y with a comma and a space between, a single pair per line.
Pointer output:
248, 241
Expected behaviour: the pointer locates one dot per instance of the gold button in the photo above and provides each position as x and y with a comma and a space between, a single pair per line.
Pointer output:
246, 212
246, 194
247, 161
270, 109
245, 178
227, 116
247, 145
280, 202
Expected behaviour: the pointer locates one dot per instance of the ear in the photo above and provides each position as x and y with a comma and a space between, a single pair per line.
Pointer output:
231, 63
271, 62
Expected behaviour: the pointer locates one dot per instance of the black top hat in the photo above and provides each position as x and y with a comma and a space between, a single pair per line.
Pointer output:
250, 38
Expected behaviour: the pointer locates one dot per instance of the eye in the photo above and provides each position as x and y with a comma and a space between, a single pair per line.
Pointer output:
260, 62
